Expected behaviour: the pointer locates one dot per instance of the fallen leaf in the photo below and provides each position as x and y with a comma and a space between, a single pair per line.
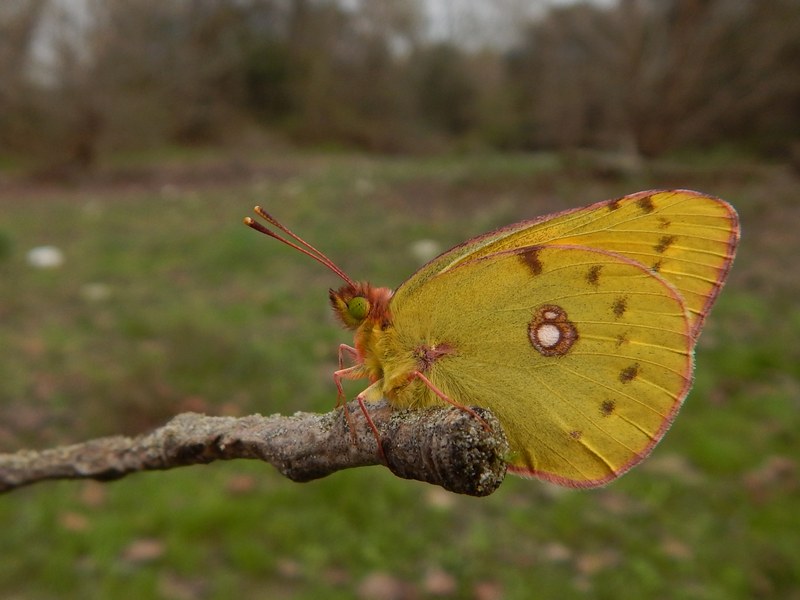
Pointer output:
72, 521
383, 586
143, 550
439, 582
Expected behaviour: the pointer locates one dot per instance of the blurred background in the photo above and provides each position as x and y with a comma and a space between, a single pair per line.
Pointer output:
135, 135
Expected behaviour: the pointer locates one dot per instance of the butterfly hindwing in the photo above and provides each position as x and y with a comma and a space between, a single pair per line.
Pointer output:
584, 355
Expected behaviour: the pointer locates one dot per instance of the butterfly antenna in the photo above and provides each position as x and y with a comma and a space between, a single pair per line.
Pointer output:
301, 245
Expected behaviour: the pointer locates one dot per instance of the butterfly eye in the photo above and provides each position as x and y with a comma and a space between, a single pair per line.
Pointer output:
358, 307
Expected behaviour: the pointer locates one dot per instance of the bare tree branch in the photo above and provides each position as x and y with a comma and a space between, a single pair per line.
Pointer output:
443, 446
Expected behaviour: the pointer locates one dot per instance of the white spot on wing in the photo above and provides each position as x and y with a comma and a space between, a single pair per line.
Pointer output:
548, 335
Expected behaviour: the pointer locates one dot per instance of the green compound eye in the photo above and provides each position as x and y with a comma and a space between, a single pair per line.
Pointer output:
358, 307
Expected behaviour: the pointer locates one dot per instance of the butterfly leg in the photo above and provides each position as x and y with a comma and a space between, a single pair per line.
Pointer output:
449, 400
349, 350
353, 372
346, 373
371, 424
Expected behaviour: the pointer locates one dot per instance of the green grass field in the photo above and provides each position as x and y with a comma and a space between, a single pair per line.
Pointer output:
165, 303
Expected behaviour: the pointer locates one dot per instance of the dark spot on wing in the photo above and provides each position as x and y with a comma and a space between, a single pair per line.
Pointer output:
593, 276
530, 257
664, 243
620, 306
607, 408
628, 374
613, 204
646, 204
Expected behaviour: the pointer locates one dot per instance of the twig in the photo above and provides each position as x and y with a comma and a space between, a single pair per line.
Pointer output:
442, 446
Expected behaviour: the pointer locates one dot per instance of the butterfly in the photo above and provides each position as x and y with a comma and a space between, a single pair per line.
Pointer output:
576, 329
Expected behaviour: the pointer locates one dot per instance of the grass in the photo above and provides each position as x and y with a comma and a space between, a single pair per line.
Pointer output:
166, 303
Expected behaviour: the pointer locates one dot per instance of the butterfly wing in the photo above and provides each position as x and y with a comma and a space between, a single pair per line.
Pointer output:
584, 355
687, 237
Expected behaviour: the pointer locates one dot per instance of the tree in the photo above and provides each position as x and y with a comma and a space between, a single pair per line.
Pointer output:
662, 75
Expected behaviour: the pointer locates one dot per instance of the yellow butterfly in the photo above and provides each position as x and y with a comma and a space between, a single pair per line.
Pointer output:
577, 330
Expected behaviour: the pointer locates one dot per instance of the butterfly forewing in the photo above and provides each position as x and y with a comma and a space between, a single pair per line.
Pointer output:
583, 355
687, 237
